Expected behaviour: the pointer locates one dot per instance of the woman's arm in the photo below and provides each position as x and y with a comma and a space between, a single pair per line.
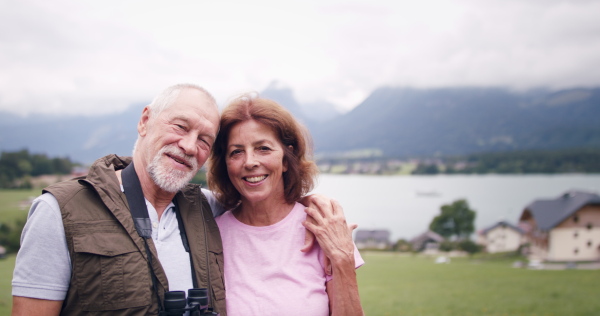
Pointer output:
331, 232
343, 291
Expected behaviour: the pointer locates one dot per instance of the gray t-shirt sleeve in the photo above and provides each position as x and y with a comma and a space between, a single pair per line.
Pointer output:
43, 265
216, 207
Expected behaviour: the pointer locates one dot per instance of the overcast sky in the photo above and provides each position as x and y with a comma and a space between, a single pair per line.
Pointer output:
91, 57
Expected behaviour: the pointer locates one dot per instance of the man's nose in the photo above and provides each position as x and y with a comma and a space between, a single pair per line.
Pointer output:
188, 144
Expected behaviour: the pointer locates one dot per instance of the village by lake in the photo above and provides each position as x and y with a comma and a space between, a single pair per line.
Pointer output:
405, 205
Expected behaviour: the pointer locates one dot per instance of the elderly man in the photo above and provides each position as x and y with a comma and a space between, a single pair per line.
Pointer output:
84, 251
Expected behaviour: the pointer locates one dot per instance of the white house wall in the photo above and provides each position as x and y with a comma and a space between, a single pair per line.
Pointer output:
502, 239
574, 244
577, 238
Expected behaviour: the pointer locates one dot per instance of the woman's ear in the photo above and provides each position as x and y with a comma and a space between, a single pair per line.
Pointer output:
285, 163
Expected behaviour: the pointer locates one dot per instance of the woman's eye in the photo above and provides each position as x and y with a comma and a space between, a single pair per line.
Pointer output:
264, 148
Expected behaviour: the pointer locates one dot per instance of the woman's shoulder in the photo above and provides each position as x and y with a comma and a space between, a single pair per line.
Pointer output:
298, 210
225, 218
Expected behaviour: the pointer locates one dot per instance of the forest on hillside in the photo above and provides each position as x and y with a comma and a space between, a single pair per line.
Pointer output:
16, 168
580, 160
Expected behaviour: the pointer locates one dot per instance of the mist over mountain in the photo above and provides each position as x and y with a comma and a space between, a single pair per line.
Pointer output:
284, 95
81, 138
424, 122
400, 122
310, 114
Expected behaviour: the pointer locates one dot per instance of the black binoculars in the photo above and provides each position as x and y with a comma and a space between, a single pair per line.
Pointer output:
196, 303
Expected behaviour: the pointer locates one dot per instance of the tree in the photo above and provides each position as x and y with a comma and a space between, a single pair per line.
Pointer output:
16, 168
456, 219
424, 168
469, 246
200, 178
10, 235
402, 245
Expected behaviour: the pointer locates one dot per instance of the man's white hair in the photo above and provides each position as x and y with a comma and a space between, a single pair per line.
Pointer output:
168, 96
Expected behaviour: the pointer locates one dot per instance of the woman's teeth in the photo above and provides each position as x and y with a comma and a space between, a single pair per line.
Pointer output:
255, 179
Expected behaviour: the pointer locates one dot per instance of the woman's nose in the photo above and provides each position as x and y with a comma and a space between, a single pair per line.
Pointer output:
251, 161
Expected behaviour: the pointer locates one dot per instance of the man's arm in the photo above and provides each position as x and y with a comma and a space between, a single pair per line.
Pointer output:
43, 268
24, 306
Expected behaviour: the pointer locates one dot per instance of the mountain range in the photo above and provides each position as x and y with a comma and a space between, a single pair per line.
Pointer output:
397, 122
455, 121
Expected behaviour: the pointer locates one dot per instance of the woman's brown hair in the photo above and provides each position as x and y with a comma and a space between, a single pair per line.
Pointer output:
301, 172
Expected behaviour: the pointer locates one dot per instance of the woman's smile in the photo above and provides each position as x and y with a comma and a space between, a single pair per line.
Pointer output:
255, 179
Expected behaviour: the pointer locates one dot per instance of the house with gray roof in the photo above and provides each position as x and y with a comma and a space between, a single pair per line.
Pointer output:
500, 237
566, 228
372, 239
427, 241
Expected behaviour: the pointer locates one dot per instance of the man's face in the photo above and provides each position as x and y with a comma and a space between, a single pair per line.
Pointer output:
177, 142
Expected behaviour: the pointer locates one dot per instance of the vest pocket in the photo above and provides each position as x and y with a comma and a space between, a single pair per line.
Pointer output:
217, 280
109, 272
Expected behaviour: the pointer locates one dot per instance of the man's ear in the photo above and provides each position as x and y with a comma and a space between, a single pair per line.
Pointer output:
143, 123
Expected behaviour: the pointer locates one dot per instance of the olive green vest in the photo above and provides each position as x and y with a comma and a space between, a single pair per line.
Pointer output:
110, 273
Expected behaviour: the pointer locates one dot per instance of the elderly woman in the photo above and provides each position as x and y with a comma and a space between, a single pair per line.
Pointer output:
259, 169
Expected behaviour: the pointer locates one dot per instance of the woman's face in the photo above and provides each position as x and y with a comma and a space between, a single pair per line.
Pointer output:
255, 161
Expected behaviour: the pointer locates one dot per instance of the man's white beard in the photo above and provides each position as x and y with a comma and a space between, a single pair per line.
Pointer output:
168, 179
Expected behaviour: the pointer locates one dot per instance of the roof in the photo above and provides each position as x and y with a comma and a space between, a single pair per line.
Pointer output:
502, 223
549, 213
428, 235
379, 235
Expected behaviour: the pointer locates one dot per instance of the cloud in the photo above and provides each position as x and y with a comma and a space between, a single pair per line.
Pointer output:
98, 57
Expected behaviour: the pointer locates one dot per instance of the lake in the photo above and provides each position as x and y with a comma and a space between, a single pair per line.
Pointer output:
405, 205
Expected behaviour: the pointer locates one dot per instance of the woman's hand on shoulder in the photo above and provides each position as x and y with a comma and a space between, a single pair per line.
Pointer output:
327, 222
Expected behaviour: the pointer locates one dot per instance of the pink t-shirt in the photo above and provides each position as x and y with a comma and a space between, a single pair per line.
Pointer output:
265, 271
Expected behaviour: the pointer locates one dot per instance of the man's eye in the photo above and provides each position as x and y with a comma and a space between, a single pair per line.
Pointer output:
204, 141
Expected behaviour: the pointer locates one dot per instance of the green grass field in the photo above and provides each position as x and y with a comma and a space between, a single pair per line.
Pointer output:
405, 285
13, 206
13, 203
399, 284
394, 284
6, 270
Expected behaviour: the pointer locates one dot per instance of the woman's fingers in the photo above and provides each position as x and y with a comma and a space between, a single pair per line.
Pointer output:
333, 238
352, 227
309, 238
337, 208
314, 215
322, 204
325, 219
327, 267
